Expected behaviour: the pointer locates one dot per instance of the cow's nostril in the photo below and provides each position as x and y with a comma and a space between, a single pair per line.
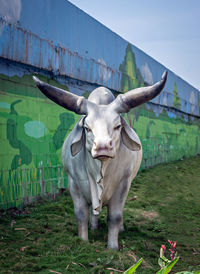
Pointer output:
102, 145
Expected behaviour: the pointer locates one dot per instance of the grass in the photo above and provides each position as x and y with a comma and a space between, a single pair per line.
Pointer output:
163, 203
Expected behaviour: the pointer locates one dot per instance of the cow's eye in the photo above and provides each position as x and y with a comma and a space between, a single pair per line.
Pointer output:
88, 129
117, 127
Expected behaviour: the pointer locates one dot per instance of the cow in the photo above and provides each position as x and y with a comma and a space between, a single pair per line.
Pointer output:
102, 154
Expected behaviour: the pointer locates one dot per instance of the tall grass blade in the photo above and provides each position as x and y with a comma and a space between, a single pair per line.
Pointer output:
133, 268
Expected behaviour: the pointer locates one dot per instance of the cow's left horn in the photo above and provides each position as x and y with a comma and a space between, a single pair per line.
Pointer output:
123, 103
63, 98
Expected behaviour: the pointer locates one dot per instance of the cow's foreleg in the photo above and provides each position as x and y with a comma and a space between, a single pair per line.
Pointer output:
81, 210
93, 220
115, 213
81, 213
121, 228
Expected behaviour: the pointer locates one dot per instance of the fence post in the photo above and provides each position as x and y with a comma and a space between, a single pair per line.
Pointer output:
42, 181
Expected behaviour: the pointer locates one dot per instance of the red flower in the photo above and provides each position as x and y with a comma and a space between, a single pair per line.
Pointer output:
173, 244
163, 248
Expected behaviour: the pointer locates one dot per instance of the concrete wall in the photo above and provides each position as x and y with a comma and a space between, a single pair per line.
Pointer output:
66, 47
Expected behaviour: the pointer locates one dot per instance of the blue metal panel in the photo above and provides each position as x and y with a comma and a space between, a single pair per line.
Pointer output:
59, 37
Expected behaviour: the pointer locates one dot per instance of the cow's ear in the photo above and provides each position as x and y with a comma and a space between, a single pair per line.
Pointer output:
129, 137
79, 137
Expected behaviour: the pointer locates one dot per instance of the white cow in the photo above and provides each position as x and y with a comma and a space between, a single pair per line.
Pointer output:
102, 154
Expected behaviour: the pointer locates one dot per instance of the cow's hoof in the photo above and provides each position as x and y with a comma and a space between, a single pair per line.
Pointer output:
113, 247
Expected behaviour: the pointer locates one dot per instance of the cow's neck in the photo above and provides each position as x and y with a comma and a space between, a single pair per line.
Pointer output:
111, 174
98, 173
93, 168
106, 165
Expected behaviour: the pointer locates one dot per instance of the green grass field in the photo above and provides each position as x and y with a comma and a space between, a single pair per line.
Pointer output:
163, 203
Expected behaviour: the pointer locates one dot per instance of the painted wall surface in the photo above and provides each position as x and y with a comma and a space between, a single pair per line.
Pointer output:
66, 47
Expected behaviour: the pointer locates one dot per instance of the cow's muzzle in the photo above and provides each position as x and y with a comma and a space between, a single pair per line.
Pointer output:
103, 154
103, 150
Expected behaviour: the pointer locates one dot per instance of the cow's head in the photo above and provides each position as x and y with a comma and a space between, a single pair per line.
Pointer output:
102, 127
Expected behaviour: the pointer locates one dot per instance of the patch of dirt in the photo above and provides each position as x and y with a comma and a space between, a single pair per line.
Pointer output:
150, 215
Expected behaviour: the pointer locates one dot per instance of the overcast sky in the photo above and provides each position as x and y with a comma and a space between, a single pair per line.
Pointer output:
169, 31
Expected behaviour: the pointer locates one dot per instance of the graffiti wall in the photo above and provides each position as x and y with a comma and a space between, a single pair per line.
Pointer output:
62, 53
32, 133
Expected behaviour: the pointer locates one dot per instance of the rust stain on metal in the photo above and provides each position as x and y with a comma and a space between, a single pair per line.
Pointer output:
25, 46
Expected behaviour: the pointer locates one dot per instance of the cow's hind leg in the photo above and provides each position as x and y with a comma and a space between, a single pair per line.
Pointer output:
115, 213
81, 209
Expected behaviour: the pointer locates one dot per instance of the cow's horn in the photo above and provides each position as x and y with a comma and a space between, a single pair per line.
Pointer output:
63, 98
133, 98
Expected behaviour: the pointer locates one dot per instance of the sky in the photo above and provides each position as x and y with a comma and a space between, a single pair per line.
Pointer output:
168, 31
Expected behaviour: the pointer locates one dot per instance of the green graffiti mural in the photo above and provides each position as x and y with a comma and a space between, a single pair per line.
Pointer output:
131, 75
86, 94
148, 129
33, 130
166, 139
24, 156
37, 136
131, 79
176, 98
165, 136
66, 121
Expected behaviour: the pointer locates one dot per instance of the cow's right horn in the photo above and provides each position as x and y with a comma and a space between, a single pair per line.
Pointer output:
133, 98
65, 99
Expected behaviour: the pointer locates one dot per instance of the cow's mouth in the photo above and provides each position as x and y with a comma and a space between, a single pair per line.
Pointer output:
103, 154
103, 157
